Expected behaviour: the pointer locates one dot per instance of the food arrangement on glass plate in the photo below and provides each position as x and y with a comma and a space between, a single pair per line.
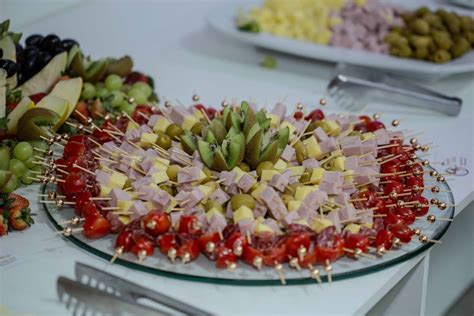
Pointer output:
47, 85
244, 185
380, 27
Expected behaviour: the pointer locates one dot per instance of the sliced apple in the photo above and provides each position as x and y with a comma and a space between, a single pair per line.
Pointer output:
44, 80
24, 105
69, 90
36, 123
58, 105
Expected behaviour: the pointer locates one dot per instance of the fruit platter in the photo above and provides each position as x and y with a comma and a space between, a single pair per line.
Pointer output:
244, 195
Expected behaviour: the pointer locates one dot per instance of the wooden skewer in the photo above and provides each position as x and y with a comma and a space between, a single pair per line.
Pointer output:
328, 269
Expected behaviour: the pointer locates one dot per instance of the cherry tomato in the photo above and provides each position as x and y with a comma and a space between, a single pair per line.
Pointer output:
402, 231
406, 214
224, 256
125, 240
297, 240
298, 115
188, 246
204, 240
145, 110
393, 186
375, 125
96, 227
315, 115
425, 206
309, 259
166, 242
90, 210
392, 219
156, 223
250, 253
211, 113
354, 241
81, 200
235, 240
189, 224
411, 181
74, 149
331, 250
384, 238
380, 205
74, 183
143, 244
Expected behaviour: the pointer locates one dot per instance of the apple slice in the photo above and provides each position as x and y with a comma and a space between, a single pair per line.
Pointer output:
69, 90
44, 80
55, 104
24, 105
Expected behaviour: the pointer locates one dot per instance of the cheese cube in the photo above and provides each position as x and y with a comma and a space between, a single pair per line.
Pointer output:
312, 147
368, 225
117, 180
125, 219
267, 175
331, 127
131, 126
207, 190
160, 176
161, 164
161, 124
104, 191
339, 164
349, 176
150, 205
296, 171
260, 228
280, 165
320, 223
171, 205
239, 172
189, 122
147, 140
241, 213
352, 228
202, 176
260, 188
274, 120
294, 205
317, 175
213, 211
367, 136
303, 191
303, 221
290, 126
124, 205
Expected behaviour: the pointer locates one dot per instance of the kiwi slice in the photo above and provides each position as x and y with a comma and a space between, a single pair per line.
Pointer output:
122, 67
188, 142
206, 153
270, 152
219, 162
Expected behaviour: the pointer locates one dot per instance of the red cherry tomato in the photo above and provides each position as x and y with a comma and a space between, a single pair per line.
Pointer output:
425, 206
309, 259
143, 244
96, 227
384, 238
224, 256
298, 115
331, 250
315, 115
402, 231
354, 241
125, 240
375, 125
74, 183
249, 254
406, 214
82, 199
204, 240
188, 246
90, 210
189, 224
156, 223
380, 205
145, 111
235, 240
393, 186
166, 242
211, 113
74, 149
297, 240
392, 219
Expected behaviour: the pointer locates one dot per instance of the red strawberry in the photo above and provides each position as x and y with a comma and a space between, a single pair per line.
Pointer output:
82, 108
20, 218
18, 201
3, 226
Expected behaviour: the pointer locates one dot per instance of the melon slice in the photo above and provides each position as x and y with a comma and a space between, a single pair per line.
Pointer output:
24, 105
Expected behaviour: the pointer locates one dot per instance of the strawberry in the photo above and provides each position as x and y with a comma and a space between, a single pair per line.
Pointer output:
20, 218
3, 226
82, 108
18, 201
98, 111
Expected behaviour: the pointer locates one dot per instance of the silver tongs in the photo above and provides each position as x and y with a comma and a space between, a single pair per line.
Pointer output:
353, 87
102, 293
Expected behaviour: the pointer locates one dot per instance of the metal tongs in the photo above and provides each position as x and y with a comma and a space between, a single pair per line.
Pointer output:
101, 293
355, 86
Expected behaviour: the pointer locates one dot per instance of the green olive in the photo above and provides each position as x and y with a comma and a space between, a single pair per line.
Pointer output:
172, 172
300, 151
305, 177
441, 56
420, 26
244, 167
213, 204
460, 47
174, 131
128, 184
442, 40
164, 141
420, 41
311, 127
421, 53
197, 128
401, 51
291, 189
421, 11
242, 199
286, 198
167, 188
264, 165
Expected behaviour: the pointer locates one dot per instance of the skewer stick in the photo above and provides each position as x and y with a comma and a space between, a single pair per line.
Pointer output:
84, 169
328, 269
279, 270
314, 273
117, 253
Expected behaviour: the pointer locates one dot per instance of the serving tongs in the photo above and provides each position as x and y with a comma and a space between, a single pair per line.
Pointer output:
354, 86
102, 293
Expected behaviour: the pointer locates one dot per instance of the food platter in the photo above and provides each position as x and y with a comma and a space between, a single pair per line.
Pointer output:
224, 21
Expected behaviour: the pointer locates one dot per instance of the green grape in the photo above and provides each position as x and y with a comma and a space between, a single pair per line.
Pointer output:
29, 163
101, 91
4, 158
138, 95
88, 91
39, 144
26, 178
127, 107
23, 151
113, 82
37, 168
11, 185
17, 167
143, 87
118, 98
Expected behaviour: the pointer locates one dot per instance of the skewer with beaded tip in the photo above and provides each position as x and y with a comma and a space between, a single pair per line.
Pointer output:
68, 231
58, 202
328, 269
171, 254
432, 218
76, 220
142, 255
117, 253
314, 273
51, 141
51, 195
357, 252
186, 258
231, 266
281, 274
294, 263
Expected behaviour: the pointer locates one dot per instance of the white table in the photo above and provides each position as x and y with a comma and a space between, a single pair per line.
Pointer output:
170, 41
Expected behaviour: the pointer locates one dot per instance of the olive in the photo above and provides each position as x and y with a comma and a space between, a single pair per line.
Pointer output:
286, 198
43, 58
68, 43
291, 189
164, 141
244, 167
50, 42
167, 188
305, 177
264, 165
242, 199
172, 172
300, 150
213, 204
174, 131
34, 40
197, 128
208, 173
9, 66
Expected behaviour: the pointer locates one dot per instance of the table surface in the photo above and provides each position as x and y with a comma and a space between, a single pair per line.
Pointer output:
171, 41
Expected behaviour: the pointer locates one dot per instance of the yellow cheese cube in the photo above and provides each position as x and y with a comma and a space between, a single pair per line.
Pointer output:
317, 175
320, 223
150, 205
117, 180
294, 205
189, 122
243, 212
312, 147
260, 188
368, 225
274, 120
352, 228
331, 127
161, 124
267, 175
131, 126
349, 176
297, 171
125, 219
302, 221
239, 172
207, 190
160, 176
202, 176
259, 220
339, 163
290, 126
280, 165
198, 114
124, 205
260, 228
160, 165
303, 191
213, 211
147, 140
171, 205
104, 191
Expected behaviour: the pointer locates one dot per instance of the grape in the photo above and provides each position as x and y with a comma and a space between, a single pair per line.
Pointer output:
143, 87
17, 167
4, 158
26, 177
37, 168
11, 185
101, 91
118, 98
23, 151
88, 91
113, 82
29, 163
39, 144
138, 95
127, 107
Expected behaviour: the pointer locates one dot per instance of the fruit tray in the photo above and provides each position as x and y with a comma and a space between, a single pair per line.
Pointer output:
203, 270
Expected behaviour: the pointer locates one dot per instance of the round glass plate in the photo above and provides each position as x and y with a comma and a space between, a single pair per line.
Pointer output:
203, 270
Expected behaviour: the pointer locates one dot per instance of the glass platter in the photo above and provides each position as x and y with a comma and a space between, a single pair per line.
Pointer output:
203, 270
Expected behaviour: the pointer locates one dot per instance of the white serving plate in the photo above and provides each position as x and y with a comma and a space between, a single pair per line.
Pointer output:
223, 20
